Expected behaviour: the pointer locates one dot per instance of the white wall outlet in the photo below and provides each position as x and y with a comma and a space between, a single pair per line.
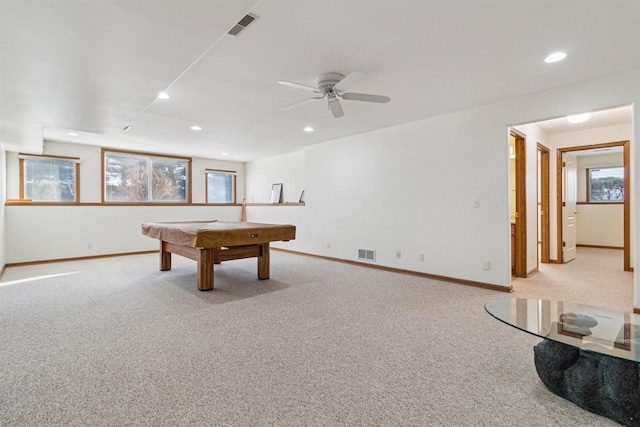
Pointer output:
89, 245
421, 257
398, 254
476, 203
486, 265
328, 245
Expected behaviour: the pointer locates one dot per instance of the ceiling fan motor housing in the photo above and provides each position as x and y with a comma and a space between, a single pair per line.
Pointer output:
331, 86
325, 82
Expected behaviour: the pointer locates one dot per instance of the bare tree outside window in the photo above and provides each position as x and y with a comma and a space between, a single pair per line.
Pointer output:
50, 180
132, 177
606, 184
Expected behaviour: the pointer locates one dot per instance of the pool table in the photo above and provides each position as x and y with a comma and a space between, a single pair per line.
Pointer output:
211, 242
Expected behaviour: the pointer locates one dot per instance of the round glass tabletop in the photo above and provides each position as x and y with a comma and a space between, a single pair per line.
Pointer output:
589, 328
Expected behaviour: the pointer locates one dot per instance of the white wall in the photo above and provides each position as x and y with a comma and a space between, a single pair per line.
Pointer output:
3, 199
91, 166
394, 189
287, 169
37, 233
411, 187
600, 225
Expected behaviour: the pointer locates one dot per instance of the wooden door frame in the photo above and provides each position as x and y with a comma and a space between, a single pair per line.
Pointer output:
521, 204
544, 204
627, 190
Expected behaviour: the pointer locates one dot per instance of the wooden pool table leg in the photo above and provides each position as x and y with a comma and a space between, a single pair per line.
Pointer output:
165, 257
263, 261
205, 269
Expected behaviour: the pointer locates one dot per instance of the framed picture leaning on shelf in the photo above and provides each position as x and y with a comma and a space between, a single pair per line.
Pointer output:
276, 193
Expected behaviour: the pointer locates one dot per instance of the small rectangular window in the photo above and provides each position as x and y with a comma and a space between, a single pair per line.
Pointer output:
221, 186
49, 178
606, 184
143, 178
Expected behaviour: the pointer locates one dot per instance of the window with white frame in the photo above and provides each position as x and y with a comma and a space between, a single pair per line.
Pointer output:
606, 184
221, 186
131, 177
49, 178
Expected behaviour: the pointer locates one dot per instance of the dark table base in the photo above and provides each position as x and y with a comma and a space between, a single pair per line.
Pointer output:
601, 384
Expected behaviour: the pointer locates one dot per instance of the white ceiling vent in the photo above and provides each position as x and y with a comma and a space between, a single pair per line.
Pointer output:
242, 24
367, 254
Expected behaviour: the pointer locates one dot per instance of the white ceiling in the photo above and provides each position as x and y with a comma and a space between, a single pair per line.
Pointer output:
618, 150
610, 117
94, 67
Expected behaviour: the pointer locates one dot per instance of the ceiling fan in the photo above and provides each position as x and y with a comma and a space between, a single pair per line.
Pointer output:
334, 86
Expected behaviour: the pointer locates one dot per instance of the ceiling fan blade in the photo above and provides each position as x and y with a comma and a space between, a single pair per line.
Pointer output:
299, 86
335, 107
365, 97
298, 104
351, 80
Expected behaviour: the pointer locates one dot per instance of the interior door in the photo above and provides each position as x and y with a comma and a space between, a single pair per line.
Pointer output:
543, 200
520, 228
569, 206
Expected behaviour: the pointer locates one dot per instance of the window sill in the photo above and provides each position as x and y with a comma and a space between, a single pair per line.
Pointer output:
14, 202
28, 202
600, 203
276, 204
17, 202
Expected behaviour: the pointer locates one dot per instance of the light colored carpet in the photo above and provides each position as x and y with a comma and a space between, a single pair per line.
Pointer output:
595, 277
321, 343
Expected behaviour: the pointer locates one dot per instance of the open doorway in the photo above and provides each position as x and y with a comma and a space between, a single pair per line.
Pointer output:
603, 186
552, 138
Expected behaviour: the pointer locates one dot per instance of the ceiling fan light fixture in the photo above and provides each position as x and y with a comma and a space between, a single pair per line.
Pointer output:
578, 118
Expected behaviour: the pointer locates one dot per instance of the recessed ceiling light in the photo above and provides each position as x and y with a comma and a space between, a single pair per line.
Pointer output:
164, 95
308, 129
555, 57
578, 118
225, 154
73, 134
196, 127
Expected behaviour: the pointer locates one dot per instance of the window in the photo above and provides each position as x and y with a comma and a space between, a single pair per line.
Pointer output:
606, 184
143, 178
49, 178
221, 186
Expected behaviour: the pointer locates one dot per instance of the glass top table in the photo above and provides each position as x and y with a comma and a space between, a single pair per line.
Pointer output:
586, 327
